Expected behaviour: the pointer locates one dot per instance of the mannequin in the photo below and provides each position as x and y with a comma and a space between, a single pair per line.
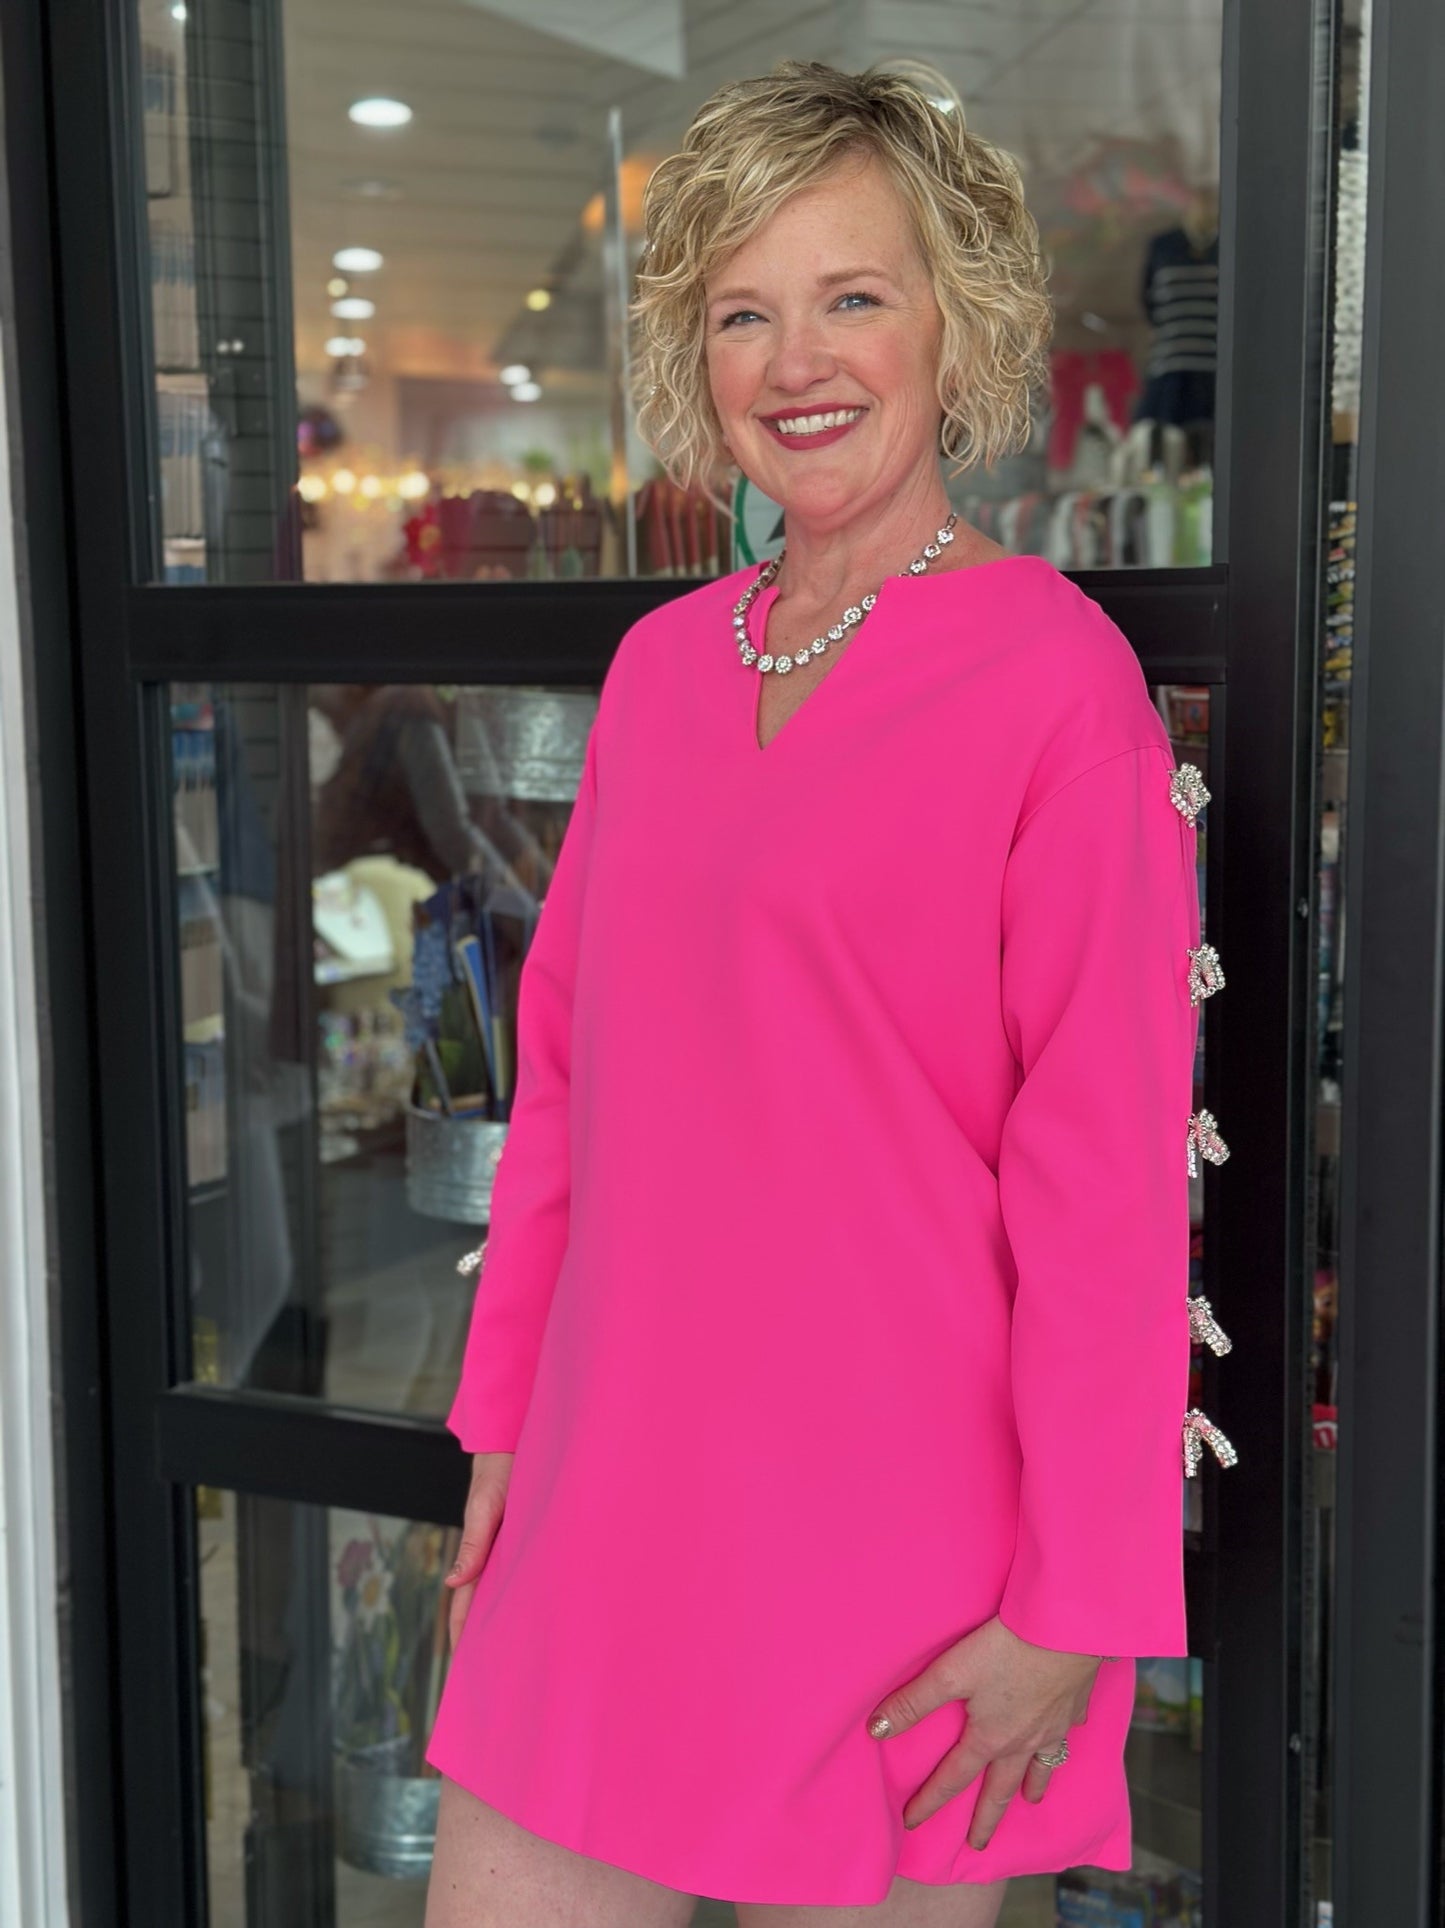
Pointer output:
1180, 295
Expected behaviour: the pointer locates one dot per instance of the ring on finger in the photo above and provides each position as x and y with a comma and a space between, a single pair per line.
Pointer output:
1053, 1756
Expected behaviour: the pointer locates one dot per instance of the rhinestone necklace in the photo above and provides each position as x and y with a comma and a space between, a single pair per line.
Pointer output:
851, 617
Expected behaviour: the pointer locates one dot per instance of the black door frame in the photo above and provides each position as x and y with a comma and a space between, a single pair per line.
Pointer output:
1389, 1822
137, 1436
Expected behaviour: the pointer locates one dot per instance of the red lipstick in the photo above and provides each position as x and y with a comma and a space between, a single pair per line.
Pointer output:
821, 438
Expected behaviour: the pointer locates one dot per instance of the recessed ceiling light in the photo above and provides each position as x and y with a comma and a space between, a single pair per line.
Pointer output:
539, 299
353, 308
356, 260
377, 110
346, 345
516, 372
527, 392
337, 285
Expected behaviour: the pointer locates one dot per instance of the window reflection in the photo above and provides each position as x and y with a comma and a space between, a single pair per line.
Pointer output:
359, 870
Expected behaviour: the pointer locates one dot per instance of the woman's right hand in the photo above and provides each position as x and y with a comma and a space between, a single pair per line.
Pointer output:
491, 1474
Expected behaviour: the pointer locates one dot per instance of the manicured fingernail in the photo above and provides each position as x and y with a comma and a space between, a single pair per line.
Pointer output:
879, 1726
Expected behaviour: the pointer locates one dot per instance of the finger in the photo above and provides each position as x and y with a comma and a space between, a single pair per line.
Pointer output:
1036, 1780
1000, 1784
959, 1768
457, 1616
907, 1705
484, 1516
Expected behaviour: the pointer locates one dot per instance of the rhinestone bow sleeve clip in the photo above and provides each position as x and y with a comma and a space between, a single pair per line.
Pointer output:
1188, 794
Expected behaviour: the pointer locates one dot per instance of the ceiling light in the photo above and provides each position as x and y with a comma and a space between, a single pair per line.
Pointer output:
371, 486
522, 492
353, 308
516, 372
356, 260
545, 494
539, 299
527, 392
337, 285
378, 111
413, 485
346, 345
312, 488
344, 481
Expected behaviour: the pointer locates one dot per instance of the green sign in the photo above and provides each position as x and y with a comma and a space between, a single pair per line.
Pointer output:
757, 524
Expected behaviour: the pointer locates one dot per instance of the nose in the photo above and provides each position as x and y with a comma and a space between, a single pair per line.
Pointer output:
800, 357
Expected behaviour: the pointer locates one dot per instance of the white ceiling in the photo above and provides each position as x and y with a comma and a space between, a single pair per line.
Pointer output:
486, 187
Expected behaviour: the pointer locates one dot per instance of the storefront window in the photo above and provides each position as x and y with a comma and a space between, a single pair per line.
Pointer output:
324, 1650
389, 251
359, 869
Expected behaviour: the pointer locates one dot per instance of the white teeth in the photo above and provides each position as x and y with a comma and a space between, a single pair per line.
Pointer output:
815, 424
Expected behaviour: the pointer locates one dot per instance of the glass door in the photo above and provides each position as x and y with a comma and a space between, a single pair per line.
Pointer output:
385, 518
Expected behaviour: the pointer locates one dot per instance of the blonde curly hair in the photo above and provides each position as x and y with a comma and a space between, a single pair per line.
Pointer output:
754, 143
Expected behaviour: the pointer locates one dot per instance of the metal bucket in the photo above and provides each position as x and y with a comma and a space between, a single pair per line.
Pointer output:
527, 744
386, 1819
451, 1164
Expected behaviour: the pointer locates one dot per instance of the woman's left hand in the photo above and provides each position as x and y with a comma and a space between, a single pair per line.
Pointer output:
1021, 1700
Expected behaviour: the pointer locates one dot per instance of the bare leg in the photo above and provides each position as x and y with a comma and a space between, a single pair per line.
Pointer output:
910, 1904
487, 1872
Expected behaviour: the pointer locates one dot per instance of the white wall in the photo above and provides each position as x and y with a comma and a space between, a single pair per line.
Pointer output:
32, 1811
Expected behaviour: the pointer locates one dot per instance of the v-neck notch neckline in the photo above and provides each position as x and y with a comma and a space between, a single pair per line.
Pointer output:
762, 604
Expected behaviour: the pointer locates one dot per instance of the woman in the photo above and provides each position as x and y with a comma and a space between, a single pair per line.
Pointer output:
835, 1299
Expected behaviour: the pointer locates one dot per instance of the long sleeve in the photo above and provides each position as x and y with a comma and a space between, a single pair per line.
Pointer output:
1100, 911
531, 1192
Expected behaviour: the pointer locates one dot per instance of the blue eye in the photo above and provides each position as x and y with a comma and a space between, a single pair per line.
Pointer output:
858, 295
742, 314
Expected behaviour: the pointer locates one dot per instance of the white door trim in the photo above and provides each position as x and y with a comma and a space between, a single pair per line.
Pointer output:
33, 1887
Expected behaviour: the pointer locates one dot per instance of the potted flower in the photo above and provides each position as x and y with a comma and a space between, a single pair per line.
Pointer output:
389, 1654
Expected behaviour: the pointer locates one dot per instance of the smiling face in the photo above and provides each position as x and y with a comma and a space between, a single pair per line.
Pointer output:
822, 352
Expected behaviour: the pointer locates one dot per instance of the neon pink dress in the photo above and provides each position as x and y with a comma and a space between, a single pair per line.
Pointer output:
835, 1293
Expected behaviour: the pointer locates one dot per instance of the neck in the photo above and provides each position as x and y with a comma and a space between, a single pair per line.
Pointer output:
829, 564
